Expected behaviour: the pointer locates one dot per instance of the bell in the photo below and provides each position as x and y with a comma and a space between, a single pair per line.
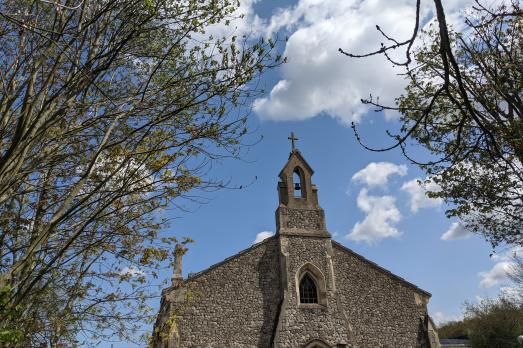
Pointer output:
297, 186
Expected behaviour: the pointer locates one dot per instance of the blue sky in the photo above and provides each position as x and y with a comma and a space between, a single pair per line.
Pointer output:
371, 201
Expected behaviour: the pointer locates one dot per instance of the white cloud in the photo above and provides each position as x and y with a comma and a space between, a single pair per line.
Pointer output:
442, 318
377, 173
262, 236
417, 191
508, 254
318, 79
496, 275
456, 231
382, 215
499, 272
242, 22
132, 271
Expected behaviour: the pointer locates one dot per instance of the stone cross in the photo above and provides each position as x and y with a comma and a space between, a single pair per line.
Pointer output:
292, 138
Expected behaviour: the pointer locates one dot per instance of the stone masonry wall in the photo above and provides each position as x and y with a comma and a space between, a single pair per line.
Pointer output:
383, 310
233, 304
237, 303
302, 323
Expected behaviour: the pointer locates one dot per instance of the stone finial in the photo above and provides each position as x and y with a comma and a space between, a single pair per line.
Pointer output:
177, 276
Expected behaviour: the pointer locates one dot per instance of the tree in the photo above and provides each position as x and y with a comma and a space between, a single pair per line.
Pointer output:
494, 323
464, 104
110, 112
516, 275
453, 329
488, 323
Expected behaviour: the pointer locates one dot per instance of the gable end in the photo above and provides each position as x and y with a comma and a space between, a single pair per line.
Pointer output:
381, 269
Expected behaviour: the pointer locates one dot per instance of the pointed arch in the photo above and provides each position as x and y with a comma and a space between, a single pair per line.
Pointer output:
310, 279
316, 344
298, 183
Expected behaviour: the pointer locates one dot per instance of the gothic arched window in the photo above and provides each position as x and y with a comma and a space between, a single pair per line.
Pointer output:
310, 286
308, 290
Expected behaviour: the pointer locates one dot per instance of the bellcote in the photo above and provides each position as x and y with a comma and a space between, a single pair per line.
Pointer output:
295, 188
299, 212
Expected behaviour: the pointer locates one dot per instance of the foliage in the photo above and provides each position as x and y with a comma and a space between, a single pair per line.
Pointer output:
9, 334
488, 323
494, 323
453, 329
516, 275
110, 112
463, 103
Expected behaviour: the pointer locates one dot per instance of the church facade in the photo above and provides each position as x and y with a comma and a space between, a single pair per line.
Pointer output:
297, 289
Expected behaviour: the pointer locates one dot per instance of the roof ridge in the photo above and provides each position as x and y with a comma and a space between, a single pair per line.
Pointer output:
193, 275
382, 269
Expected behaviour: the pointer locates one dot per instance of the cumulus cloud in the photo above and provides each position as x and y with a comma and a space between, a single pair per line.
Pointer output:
378, 173
508, 254
382, 215
456, 230
496, 275
262, 236
318, 79
442, 318
242, 22
417, 191
499, 272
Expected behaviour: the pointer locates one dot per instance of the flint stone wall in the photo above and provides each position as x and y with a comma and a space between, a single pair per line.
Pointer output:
302, 323
238, 302
383, 310
233, 304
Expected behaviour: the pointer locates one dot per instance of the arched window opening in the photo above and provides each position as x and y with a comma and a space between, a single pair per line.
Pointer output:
298, 184
318, 344
308, 290
310, 286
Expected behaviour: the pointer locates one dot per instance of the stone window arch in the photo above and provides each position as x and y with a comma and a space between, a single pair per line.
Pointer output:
298, 183
316, 344
309, 278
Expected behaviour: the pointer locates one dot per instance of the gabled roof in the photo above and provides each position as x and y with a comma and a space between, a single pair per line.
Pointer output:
296, 153
336, 244
192, 276
381, 269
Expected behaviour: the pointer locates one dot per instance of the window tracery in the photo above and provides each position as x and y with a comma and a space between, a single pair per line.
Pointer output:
308, 290
311, 288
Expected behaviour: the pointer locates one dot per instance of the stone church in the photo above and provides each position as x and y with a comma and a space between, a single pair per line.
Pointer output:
297, 289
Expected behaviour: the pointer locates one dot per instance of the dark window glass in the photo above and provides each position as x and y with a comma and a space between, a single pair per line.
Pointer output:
308, 292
